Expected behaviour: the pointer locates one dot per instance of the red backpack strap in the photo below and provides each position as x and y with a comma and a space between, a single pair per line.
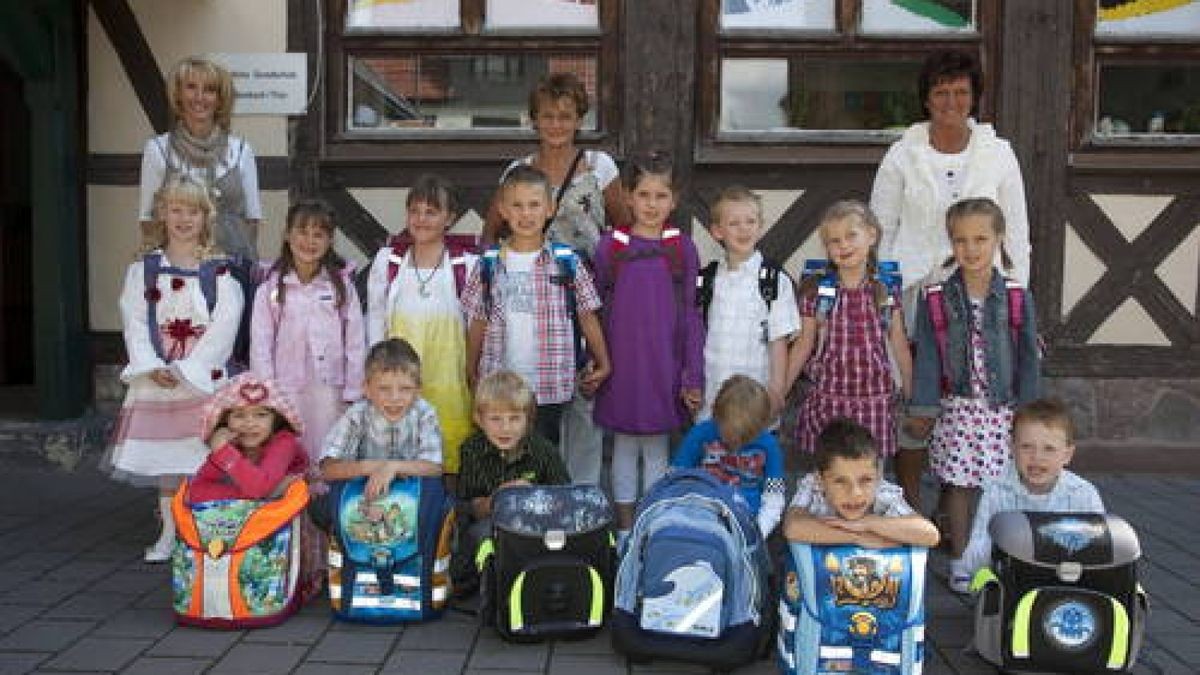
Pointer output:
1016, 308
672, 239
399, 244
457, 247
935, 303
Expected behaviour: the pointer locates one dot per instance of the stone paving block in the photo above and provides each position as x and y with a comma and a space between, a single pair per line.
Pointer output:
667, 666
299, 629
156, 598
195, 642
588, 664
88, 570
1185, 647
170, 666
41, 593
350, 627
12, 616
45, 636
601, 644
99, 654
259, 659
130, 583
438, 636
333, 669
347, 647
964, 663
425, 663
137, 623
89, 606
492, 652
17, 664
1154, 659
951, 633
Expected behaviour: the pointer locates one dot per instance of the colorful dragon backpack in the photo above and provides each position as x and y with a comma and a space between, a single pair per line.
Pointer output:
547, 569
389, 559
236, 562
846, 609
1061, 595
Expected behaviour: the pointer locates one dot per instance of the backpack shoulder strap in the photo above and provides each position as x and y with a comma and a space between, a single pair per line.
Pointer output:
208, 280
705, 282
398, 244
487, 273
151, 264
768, 281
672, 240
887, 273
935, 302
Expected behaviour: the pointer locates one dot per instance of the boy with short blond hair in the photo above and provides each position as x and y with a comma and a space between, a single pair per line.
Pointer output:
393, 432
748, 303
1043, 443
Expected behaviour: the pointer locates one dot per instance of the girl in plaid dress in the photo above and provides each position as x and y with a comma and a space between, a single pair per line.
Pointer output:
846, 346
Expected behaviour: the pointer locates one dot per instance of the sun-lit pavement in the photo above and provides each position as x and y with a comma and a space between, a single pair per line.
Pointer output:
75, 597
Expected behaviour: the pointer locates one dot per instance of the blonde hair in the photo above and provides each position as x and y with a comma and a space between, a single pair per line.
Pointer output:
860, 215
393, 355
211, 73
505, 389
1050, 412
189, 191
736, 194
742, 411
979, 206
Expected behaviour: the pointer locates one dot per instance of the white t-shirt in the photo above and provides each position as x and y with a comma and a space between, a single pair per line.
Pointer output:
520, 322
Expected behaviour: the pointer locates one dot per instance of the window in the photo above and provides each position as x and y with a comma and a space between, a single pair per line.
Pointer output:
828, 71
405, 71
1140, 84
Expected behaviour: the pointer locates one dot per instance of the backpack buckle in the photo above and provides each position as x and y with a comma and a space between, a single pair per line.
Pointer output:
555, 540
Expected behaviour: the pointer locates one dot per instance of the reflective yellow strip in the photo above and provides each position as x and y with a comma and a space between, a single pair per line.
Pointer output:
982, 577
1120, 642
596, 616
515, 620
1020, 636
486, 548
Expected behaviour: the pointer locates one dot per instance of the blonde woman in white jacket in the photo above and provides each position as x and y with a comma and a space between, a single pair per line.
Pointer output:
948, 158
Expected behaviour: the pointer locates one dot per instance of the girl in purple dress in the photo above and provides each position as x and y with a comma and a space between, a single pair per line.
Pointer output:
646, 273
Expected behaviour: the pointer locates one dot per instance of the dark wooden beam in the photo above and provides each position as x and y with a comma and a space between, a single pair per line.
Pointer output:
125, 169
120, 23
356, 222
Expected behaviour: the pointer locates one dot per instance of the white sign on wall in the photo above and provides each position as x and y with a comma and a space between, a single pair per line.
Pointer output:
268, 84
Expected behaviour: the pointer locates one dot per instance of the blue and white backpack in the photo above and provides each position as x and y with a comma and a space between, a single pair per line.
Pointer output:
848, 609
692, 584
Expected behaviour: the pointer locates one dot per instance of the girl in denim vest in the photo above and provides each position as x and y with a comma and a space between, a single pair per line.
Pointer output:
977, 358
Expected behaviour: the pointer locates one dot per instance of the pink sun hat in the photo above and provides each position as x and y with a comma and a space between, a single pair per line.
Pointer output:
245, 390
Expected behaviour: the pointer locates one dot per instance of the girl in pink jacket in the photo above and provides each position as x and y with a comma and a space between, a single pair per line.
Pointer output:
307, 328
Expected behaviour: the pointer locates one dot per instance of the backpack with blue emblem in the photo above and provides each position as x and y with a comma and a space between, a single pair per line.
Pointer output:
568, 266
692, 583
820, 276
846, 609
1061, 594
389, 559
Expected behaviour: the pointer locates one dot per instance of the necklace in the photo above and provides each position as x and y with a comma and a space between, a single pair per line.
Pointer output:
423, 284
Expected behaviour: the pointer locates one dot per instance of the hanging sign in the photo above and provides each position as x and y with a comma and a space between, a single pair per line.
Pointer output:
268, 83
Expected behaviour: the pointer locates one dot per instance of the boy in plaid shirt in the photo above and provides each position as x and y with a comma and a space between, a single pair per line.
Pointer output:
519, 301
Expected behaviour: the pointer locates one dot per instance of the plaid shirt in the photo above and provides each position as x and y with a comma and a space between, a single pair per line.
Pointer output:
555, 333
363, 433
810, 498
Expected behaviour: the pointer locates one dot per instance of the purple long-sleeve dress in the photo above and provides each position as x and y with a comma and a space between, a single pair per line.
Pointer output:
654, 333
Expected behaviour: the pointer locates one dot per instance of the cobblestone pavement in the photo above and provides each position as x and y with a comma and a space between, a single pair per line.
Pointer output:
75, 597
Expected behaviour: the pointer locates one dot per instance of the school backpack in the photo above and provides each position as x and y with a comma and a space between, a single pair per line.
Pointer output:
824, 275
692, 584
670, 248
846, 609
236, 562
935, 299
768, 284
568, 267
389, 559
547, 569
153, 264
1061, 594
457, 245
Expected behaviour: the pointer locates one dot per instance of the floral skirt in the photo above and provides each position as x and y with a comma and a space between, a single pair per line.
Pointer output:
970, 441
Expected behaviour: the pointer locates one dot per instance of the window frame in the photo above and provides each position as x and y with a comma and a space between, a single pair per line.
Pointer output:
471, 38
844, 42
1090, 52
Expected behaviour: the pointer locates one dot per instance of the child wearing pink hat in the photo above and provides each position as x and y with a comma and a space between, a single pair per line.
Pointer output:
252, 428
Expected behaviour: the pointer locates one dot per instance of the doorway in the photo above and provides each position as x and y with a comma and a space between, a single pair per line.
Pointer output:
17, 394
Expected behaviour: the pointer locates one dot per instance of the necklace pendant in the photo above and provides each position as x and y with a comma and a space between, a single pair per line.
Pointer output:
423, 290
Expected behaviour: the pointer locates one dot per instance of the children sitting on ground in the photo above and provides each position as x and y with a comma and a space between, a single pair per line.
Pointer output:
394, 433
1043, 443
524, 300
736, 446
847, 501
748, 303
507, 451
252, 428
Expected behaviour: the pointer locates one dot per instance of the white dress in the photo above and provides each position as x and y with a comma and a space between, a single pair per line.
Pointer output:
158, 429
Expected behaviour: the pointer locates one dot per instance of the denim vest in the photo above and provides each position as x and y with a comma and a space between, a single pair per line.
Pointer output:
1012, 366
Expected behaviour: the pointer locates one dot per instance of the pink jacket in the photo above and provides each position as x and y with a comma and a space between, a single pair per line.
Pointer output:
308, 323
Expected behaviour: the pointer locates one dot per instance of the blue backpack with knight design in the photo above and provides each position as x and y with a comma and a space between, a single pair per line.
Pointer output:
692, 584
389, 559
850, 609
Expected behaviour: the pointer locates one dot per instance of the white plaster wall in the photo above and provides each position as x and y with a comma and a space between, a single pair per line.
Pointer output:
113, 240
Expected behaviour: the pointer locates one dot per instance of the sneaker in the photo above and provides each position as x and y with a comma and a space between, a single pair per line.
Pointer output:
960, 578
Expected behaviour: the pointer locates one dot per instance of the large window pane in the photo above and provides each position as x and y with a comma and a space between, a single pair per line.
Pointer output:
1148, 18
542, 14
918, 16
459, 91
402, 15
1149, 99
778, 14
818, 94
